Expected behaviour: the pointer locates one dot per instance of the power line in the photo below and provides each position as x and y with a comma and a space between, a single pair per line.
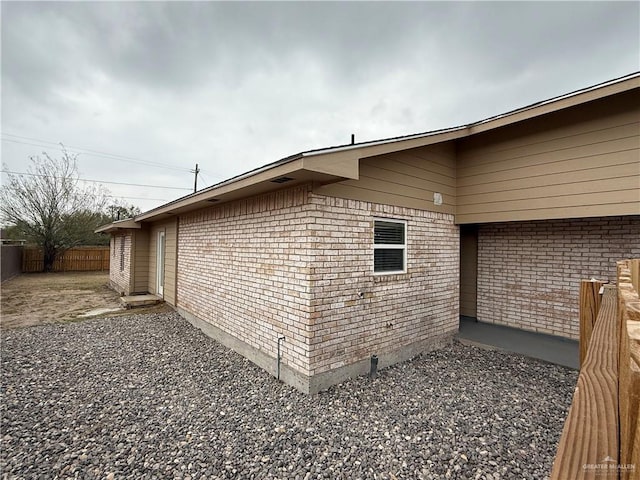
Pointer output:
94, 153
140, 198
94, 181
203, 179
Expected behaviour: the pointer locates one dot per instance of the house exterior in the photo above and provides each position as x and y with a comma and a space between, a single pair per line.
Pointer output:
377, 248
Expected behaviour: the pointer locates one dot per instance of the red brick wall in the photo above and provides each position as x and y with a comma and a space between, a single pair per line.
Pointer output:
529, 272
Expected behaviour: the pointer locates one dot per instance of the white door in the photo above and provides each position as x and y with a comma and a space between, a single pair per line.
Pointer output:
160, 264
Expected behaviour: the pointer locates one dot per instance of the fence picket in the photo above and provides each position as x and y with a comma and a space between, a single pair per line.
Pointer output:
79, 259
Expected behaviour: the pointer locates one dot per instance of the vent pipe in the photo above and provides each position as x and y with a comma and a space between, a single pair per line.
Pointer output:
280, 339
374, 367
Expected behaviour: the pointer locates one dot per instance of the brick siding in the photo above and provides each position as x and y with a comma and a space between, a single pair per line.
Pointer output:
395, 310
244, 267
529, 272
120, 277
292, 263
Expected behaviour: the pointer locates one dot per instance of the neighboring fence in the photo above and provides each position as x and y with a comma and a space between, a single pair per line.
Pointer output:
11, 256
601, 435
79, 259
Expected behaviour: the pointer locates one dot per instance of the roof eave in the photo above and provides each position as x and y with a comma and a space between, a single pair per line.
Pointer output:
341, 162
292, 171
126, 224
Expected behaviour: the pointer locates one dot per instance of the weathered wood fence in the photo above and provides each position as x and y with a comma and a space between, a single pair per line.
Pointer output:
78, 259
601, 435
10, 261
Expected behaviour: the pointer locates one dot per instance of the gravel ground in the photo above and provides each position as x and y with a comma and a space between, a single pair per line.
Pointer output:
149, 396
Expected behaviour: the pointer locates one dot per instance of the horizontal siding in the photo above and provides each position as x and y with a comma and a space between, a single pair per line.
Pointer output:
556, 212
170, 263
170, 229
581, 162
553, 177
141, 265
407, 179
153, 235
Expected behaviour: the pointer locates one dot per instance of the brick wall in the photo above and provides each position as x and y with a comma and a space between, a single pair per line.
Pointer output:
529, 272
244, 267
396, 310
120, 262
292, 263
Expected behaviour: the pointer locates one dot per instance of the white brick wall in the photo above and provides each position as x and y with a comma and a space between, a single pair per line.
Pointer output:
396, 310
118, 276
291, 263
244, 267
529, 272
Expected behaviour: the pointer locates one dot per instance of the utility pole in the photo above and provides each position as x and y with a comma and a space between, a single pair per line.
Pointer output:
195, 180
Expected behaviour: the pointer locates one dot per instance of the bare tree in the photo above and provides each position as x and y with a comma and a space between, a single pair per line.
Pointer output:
122, 210
50, 206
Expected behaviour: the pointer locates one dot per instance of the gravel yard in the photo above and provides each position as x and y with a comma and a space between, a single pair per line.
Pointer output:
149, 396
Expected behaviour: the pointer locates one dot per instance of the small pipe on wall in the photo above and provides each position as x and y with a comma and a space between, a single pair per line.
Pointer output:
280, 339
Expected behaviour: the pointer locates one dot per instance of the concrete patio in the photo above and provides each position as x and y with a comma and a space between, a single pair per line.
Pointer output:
557, 350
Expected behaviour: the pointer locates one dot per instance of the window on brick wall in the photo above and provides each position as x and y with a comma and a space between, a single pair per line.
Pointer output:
389, 246
122, 253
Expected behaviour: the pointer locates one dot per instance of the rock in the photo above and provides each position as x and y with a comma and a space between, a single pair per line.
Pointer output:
146, 396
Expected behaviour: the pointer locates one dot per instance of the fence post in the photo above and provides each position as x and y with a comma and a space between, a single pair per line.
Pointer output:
629, 379
590, 300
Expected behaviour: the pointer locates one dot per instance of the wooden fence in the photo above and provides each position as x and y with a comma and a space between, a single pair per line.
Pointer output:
10, 261
601, 436
79, 259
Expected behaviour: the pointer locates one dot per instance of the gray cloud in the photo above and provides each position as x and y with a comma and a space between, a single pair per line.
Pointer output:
235, 85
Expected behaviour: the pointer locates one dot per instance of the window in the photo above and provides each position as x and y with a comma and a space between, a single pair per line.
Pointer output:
122, 253
389, 246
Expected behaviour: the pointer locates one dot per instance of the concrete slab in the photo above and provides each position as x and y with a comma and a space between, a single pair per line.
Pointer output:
99, 311
133, 301
549, 348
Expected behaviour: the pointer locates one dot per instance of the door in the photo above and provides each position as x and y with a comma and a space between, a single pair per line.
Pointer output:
468, 270
160, 263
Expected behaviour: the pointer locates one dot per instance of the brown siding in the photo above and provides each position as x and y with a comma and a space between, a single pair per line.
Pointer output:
170, 229
581, 162
407, 178
141, 262
170, 263
151, 281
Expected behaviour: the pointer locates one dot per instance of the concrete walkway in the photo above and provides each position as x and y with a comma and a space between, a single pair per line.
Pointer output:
560, 351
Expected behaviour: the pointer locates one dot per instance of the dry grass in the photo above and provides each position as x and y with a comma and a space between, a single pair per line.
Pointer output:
40, 298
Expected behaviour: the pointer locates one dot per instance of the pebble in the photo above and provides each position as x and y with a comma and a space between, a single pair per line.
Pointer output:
150, 396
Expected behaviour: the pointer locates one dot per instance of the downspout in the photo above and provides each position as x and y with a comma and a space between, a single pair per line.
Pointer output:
280, 339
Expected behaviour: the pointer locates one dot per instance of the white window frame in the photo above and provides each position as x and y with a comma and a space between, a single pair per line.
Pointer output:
385, 246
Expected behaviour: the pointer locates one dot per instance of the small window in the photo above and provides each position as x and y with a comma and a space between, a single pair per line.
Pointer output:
390, 246
122, 253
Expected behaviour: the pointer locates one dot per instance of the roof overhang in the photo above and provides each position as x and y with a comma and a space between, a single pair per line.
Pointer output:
562, 102
289, 172
126, 224
335, 164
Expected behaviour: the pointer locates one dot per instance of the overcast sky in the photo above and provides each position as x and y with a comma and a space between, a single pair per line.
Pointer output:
232, 86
